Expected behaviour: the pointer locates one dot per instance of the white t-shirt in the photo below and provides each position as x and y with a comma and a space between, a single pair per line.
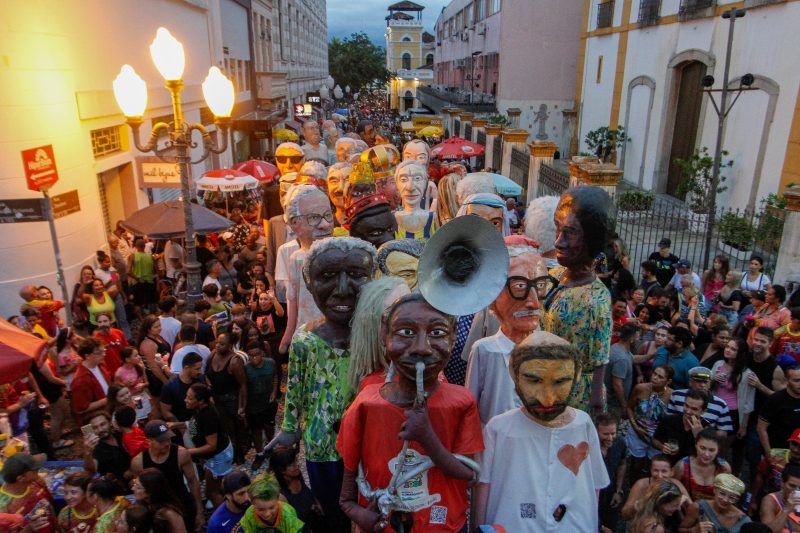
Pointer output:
177, 358
172, 251
210, 280
170, 327
488, 378
307, 310
758, 285
676, 281
100, 378
282, 269
533, 470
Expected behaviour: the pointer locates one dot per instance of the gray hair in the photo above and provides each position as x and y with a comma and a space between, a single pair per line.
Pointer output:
344, 140
343, 244
291, 207
539, 223
410, 247
408, 163
290, 146
474, 183
336, 167
314, 169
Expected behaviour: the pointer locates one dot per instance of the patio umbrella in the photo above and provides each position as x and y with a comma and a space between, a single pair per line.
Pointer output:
18, 349
226, 180
504, 185
283, 134
164, 220
456, 148
261, 170
430, 131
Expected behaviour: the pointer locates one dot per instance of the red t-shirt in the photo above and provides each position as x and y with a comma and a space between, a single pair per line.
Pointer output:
114, 342
369, 436
617, 323
787, 343
134, 441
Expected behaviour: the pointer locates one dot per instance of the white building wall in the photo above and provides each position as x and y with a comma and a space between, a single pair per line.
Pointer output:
597, 94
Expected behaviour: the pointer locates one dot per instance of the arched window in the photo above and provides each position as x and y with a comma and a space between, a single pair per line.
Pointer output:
406, 39
429, 59
407, 61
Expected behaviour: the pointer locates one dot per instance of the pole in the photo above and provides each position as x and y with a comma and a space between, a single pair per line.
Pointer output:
472, 84
48, 210
721, 113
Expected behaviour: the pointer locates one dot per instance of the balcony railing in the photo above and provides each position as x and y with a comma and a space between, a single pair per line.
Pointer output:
437, 100
605, 14
649, 12
691, 9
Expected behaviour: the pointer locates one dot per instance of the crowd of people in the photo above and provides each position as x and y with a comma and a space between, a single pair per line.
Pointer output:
325, 382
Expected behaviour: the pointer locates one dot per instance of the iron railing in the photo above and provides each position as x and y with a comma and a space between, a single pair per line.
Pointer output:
481, 138
605, 14
457, 128
552, 180
468, 131
649, 12
520, 163
497, 156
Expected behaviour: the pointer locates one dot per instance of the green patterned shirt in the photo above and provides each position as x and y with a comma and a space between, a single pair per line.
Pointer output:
317, 393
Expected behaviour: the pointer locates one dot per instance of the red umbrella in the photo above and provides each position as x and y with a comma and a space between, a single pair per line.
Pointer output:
261, 170
18, 349
456, 148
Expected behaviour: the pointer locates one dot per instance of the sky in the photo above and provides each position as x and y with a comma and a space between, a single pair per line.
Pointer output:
349, 16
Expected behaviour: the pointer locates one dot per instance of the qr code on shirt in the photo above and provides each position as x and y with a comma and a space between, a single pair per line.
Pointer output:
438, 514
527, 510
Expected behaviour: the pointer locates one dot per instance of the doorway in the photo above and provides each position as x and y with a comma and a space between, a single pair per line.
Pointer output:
408, 101
687, 119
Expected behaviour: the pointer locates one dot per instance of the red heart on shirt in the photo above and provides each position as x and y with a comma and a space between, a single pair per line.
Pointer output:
572, 456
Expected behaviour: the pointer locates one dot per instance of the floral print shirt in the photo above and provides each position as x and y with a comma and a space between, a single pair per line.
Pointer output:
582, 316
317, 393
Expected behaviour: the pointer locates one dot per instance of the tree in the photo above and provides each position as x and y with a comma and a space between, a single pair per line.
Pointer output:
356, 62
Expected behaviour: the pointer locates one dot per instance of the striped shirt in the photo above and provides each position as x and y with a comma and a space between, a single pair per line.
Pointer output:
717, 414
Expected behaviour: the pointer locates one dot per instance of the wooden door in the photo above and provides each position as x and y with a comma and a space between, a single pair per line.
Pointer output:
687, 117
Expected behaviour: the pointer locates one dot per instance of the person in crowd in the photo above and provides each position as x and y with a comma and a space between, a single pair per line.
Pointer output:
262, 390
188, 343
721, 513
659, 509
676, 353
717, 414
660, 469
134, 519
79, 514
730, 298
619, 372
141, 278
730, 381
676, 434
780, 414
544, 368
103, 451
226, 376
691, 310
648, 271
683, 268
713, 281
155, 352
579, 310
152, 489
646, 405
112, 277
619, 316
227, 515
80, 313
131, 374
754, 279
283, 463
539, 226
649, 343
132, 436
91, 381
267, 512
518, 309
614, 451
773, 314
173, 394
97, 299
113, 339
175, 463
711, 353
214, 269
170, 326
665, 262
377, 416
106, 496
697, 471
119, 395
766, 477
778, 509
25, 494
786, 343
447, 202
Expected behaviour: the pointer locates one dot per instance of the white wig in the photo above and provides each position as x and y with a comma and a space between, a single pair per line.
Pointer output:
315, 169
343, 244
289, 146
342, 166
539, 224
474, 183
291, 203
344, 141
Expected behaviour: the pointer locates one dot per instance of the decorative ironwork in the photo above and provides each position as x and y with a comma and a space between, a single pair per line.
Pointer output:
649, 12
468, 131
605, 14
552, 181
481, 138
497, 155
520, 163
105, 141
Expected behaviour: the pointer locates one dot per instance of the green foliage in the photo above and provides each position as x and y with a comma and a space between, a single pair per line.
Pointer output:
775, 200
356, 62
737, 231
604, 142
498, 118
636, 200
696, 173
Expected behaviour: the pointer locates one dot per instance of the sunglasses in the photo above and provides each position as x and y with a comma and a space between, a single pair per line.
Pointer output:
289, 158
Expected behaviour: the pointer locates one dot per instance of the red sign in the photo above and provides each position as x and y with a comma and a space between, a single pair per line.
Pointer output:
40, 167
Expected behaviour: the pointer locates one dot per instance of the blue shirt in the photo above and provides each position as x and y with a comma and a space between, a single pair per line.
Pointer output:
223, 520
681, 364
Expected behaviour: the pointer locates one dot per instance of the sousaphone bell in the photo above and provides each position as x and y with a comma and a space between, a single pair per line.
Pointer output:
464, 266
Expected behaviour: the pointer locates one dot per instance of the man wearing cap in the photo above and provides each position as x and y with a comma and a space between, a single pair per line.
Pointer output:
665, 262
684, 268
24, 493
226, 517
176, 464
717, 413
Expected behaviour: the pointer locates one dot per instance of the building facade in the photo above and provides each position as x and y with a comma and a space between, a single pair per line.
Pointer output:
408, 55
56, 90
643, 67
492, 56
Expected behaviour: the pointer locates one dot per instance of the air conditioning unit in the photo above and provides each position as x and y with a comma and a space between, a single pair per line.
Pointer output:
481, 28
461, 63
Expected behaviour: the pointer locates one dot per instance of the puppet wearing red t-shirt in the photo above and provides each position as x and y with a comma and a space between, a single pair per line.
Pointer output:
382, 417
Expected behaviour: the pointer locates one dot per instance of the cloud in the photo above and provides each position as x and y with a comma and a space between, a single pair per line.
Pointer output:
346, 17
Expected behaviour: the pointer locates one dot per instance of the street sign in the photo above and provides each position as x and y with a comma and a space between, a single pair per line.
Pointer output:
40, 167
65, 204
23, 210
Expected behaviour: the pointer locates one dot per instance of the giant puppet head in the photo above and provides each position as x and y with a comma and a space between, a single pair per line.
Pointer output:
384, 159
411, 180
289, 157
544, 368
401, 258
583, 226
307, 210
371, 219
417, 150
338, 173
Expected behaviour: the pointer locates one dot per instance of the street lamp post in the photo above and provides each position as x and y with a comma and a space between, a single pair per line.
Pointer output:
722, 111
130, 92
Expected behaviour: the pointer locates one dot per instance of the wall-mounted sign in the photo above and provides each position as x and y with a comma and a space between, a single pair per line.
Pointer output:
40, 167
419, 73
302, 110
65, 204
157, 174
22, 210
313, 99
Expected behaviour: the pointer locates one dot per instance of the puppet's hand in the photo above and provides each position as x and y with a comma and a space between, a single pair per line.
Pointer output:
417, 426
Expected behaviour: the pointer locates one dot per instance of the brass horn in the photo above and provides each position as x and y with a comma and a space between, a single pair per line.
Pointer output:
464, 266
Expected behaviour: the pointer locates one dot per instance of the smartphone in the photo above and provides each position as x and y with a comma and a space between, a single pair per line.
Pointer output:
87, 431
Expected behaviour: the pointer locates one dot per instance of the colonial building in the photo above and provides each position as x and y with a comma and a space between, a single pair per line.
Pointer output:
408, 54
56, 89
643, 66
491, 56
